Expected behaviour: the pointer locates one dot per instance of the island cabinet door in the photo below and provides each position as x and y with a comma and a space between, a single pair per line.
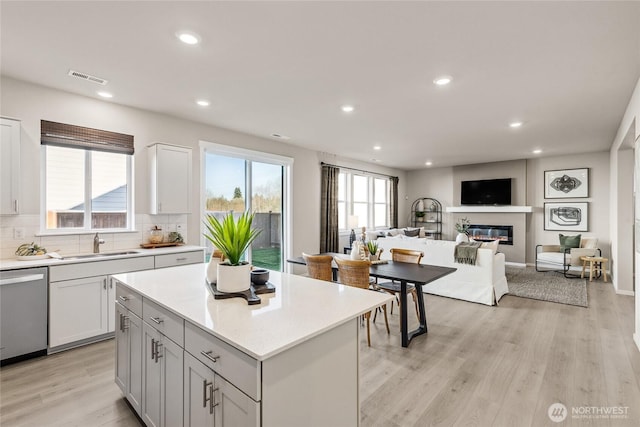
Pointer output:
198, 393
133, 325
129, 355
233, 407
122, 349
162, 384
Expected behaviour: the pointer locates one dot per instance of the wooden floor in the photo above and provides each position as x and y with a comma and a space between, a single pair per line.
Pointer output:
477, 366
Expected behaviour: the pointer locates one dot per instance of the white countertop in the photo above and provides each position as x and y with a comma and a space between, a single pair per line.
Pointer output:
12, 263
300, 309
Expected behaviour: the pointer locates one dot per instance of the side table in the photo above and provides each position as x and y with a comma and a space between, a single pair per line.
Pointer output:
597, 265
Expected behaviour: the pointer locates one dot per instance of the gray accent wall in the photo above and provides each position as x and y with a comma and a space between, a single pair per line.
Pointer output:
527, 190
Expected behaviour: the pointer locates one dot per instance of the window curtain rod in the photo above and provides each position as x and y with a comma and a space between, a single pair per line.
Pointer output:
358, 170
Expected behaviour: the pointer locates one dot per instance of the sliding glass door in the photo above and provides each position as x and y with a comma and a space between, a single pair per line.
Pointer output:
236, 180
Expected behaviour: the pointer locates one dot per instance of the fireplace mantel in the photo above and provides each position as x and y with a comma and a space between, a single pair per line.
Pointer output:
490, 209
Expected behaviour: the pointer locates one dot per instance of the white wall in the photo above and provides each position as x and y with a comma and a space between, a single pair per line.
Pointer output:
629, 128
32, 103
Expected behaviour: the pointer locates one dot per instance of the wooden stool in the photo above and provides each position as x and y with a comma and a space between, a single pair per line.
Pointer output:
597, 264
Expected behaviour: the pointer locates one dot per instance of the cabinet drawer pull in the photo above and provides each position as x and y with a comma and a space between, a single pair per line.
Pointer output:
153, 348
15, 206
208, 355
157, 320
125, 323
120, 323
158, 349
181, 259
123, 298
205, 386
211, 404
104, 284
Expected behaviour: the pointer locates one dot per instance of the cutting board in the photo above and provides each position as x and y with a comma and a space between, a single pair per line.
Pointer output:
159, 245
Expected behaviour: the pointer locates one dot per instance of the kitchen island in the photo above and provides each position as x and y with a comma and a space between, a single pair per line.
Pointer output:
184, 358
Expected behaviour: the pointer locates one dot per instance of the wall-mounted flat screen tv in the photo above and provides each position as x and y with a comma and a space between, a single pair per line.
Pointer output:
486, 192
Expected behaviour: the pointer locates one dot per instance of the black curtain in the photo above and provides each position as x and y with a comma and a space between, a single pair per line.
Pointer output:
393, 202
329, 239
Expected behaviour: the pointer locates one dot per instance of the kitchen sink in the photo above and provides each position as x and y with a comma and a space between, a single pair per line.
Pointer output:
101, 255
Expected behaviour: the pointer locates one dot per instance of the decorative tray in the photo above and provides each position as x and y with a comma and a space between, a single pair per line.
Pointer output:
159, 245
251, 295
380, 261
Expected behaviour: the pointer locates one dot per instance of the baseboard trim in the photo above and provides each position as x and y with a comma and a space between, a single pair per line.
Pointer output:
636, 338
623, 292
515, 264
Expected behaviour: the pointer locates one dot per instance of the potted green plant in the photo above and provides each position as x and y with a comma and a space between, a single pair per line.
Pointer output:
372, 247
232, 238
462, 227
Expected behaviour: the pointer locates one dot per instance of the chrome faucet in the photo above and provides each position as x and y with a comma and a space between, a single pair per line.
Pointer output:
97, 241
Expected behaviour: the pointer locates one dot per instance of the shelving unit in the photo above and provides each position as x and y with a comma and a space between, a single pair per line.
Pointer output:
427, 212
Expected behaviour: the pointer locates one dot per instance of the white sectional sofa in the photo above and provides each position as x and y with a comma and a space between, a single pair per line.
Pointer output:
484, 282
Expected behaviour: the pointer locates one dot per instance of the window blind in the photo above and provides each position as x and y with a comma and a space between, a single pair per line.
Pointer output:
71, 136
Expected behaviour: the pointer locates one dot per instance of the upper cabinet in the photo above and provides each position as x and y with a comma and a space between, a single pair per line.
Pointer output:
170, 186
9, 166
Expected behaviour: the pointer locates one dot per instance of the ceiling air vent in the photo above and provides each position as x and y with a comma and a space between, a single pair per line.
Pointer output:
88, 77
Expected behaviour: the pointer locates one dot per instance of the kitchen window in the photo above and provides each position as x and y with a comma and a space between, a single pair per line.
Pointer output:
363, 196
87, 180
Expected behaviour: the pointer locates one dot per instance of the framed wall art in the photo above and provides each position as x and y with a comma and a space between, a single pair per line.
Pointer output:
566, 216
566, 183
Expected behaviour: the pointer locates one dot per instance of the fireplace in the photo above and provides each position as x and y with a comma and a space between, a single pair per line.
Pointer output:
485, 233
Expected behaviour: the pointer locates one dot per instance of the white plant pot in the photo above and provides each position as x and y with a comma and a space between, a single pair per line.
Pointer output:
461, 237
212, 270
234, 278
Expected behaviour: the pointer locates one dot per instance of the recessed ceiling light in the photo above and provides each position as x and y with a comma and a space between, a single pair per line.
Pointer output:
537, 151
105, 94
202, 102
428, 163
515, 124
377, 147
188, 37
279, 136
443, 80
347, 108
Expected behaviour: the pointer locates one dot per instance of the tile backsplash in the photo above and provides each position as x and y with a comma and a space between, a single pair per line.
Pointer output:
68, 244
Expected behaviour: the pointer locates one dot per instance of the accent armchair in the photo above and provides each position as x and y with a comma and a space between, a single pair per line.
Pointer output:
551, 258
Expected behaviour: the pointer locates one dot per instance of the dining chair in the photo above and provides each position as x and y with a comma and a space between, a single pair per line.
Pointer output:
402, 255
319, 266
355, 273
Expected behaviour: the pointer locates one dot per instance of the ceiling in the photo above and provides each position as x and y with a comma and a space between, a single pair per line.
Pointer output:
565, 69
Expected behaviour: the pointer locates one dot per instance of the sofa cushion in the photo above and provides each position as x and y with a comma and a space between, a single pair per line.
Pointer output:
412, 233
567, 242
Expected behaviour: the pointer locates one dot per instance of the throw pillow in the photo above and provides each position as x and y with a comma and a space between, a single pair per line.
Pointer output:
567, 242
412, 233
493, 245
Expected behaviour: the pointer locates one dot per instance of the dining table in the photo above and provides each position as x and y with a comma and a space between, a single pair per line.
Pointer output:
405, 273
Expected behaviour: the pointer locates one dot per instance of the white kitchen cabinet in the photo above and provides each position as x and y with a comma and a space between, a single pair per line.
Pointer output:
129, 356
82, 309
78, 309
162, 379
210, 400
170, 179
9, 166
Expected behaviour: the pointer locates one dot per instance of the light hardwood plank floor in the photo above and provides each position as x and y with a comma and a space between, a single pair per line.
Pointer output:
477, 366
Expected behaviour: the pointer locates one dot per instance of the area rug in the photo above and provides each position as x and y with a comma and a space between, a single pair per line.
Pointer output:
546, 286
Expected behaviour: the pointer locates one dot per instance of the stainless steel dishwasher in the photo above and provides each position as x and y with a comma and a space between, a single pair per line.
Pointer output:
23, 314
